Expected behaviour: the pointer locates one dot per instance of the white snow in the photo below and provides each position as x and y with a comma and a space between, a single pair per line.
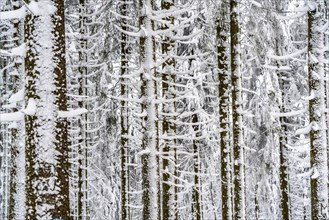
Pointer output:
310, 97
306, 130
19, 51
42, 8
311, 5
287, 56
16, 51
257, 4
18, 14
13, 116
72, 113
17, 97
9, 106
292, 16
13, 125
315, 174
288, 114
31, 107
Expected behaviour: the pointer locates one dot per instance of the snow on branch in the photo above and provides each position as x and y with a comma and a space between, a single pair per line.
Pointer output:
17, 97
288, 56
280, 68
157, 15
17, 116
293, 16
31, 107
306, 130
14, 14
42, 8
257, 4
72, 113
31, 110
13, 116
129, 33
288, 114
310, 97
16, 51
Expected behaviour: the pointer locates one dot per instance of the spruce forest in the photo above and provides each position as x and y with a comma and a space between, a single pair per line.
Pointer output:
164, 109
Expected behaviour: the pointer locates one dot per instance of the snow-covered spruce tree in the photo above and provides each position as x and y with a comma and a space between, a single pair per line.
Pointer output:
318, 145
289, 63
283, 72
47, 167
125, 93
90, 195
262, 96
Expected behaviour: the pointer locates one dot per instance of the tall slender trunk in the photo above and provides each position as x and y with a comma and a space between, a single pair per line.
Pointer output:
16, 192
224, 111
82, 120
124, 114
30, 120
168, 126
62, 208
238, 182
148, 157
318, 145
283, 161
196, 196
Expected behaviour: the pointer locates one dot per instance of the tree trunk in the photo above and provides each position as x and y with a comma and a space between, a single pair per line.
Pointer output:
124, 114
238, 182
224, 111
318, 145
148, 157
47, 165
17, 170
30, 120
196, 196
168, 127
82, 120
